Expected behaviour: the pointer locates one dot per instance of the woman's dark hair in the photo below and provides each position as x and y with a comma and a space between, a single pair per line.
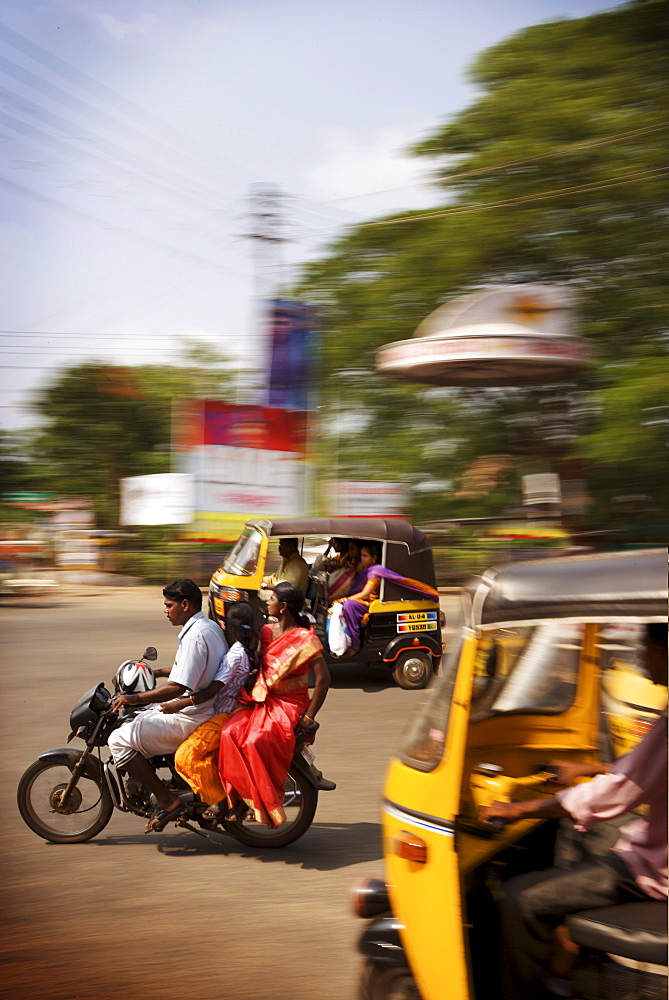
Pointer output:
293, 598
184, 590
239, 627
372, 548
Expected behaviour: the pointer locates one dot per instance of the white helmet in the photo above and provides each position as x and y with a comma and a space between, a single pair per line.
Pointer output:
134, 676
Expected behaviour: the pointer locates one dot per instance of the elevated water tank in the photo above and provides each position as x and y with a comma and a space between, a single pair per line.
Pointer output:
513, 335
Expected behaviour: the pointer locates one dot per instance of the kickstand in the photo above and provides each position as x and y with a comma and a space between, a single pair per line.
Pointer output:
200, 833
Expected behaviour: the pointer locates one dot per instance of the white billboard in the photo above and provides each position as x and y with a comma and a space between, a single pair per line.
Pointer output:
253, 481
364, 499
164, 498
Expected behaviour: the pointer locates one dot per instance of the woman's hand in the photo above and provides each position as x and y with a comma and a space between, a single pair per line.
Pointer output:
306, 724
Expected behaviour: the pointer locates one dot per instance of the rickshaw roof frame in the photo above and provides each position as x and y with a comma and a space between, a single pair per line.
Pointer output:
375, 529
603, 587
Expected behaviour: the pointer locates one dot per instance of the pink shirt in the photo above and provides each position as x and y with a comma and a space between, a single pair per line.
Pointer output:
638, 777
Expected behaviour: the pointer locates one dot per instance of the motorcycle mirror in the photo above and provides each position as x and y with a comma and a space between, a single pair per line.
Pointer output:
150, 653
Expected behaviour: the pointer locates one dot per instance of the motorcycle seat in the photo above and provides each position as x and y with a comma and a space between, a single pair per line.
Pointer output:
636, 931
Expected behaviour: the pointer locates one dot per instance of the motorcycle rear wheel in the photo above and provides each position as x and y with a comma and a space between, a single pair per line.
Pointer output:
300, 801
87, 812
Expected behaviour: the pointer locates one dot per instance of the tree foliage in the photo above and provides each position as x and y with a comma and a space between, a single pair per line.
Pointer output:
555, 173
101, 423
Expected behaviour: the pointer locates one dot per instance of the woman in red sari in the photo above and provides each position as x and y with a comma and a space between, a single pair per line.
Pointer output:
258, 741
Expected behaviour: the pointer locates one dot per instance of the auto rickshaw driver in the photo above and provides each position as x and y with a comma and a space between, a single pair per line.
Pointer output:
534, 905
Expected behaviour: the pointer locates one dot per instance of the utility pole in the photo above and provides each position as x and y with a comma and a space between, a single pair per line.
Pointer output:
266, 228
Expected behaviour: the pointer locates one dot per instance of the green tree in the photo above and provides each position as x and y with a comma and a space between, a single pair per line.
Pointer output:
555, 173
101, 423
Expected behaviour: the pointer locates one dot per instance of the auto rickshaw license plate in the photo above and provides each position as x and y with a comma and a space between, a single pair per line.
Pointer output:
421, 621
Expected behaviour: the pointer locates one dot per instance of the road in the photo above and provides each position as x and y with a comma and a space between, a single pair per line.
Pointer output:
168, 916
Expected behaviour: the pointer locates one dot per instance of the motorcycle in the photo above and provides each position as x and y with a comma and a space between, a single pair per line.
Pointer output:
68, 795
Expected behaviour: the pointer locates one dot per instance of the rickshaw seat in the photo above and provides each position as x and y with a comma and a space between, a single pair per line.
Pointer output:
311, 594
636, 931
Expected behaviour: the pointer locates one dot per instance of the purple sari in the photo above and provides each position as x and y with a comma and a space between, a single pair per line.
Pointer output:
355, 611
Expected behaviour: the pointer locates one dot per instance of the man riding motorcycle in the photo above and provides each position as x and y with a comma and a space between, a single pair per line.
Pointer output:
202, 646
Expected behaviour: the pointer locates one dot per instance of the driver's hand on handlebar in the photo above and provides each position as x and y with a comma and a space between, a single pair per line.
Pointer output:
567, 771
507, 811
122, 701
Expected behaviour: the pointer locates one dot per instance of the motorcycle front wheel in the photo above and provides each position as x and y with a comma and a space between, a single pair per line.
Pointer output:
86, 813
299, 803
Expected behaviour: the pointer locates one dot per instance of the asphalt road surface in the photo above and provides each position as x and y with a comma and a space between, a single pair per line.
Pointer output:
171, 916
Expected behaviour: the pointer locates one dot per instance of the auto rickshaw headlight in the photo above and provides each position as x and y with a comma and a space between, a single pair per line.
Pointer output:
232, 594
410, 847
369, 898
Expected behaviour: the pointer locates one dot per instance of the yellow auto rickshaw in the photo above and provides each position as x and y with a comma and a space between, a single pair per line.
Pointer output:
403, 630
526, 681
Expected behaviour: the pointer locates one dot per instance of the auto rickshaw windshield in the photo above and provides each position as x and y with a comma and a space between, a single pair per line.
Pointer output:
527, 669
243, 557
427, 729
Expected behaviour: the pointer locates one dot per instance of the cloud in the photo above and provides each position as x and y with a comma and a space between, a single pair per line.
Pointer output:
124, 29
372, 176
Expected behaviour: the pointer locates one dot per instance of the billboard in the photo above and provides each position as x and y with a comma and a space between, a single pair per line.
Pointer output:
164, 498
292, 354
365, 499
245, 461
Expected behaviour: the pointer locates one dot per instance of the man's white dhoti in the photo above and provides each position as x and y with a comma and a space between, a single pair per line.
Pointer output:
150, 733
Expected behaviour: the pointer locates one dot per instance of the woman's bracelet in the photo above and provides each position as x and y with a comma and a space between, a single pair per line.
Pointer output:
307, 718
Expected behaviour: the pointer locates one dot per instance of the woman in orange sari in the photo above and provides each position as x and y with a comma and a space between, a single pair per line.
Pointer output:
258, 741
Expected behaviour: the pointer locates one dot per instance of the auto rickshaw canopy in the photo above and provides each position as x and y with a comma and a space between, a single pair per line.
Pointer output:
407, 551
586, 588
375, 529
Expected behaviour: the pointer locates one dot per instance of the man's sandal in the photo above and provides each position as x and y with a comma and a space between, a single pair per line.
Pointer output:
161, 817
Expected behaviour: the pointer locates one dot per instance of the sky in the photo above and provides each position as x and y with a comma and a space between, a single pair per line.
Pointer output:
136, 135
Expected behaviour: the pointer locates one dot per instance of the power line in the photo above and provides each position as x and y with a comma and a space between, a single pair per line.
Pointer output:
560, 151
179, 143
63, 207
656, 172
63, 333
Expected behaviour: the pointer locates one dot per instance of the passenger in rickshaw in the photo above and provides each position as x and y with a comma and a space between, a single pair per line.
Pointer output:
366, 589
334, 573
354, 557
535, 905
343, 573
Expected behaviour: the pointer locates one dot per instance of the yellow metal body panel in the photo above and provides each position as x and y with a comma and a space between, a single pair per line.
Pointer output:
428, 899
404, 606
631, 703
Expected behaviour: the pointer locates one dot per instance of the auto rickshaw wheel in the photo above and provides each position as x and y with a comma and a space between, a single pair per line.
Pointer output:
413, 669
387, 983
